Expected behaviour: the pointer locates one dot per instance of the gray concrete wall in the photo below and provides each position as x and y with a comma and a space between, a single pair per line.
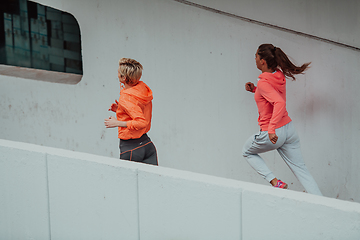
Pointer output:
49, 193
197, 63
333, 20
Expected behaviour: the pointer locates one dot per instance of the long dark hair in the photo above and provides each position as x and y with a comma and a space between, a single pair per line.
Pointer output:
275, 58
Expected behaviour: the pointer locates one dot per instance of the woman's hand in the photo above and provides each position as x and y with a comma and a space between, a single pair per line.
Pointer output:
111, 122
273, 137
249, 86
114, 106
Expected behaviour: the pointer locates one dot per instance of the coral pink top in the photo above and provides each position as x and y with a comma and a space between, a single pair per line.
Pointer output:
270, 97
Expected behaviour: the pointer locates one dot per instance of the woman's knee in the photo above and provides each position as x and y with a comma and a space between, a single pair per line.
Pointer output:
246, 148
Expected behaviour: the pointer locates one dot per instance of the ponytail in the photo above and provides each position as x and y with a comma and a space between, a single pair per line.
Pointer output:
276, 58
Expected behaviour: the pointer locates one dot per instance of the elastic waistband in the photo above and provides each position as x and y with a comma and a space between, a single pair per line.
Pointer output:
277, 127
142, 139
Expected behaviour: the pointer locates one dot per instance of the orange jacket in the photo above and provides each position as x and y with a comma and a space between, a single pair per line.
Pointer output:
135, 107
270, 97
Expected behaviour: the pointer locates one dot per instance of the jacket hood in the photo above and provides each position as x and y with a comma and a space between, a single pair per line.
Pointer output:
140, 91
276, 79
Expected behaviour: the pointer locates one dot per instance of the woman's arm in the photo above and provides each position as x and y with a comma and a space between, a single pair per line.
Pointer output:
131, 107
112, 122
274, 98
279, 107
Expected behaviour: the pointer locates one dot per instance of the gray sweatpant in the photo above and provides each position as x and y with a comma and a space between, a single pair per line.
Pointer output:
288, 146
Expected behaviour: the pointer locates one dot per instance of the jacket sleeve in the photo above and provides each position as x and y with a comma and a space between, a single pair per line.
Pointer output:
274, 98
130, 105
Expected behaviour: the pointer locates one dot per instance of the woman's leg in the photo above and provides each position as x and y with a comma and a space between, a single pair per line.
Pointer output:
291, 153
260, 143
150, 154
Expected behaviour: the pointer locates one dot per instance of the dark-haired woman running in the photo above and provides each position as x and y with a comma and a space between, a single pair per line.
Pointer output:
276, 128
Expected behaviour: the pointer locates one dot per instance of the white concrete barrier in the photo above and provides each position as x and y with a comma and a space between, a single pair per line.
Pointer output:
49, 193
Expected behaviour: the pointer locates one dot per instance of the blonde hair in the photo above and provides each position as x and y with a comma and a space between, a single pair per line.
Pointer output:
131, 69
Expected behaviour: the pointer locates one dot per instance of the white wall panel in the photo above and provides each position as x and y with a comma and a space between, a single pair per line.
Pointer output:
23, 194
91, 200
287, 212
174, 206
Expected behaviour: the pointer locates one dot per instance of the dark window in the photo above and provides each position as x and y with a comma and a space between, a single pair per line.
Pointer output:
39, 37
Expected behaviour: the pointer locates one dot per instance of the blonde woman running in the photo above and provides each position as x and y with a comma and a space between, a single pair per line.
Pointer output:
133, 114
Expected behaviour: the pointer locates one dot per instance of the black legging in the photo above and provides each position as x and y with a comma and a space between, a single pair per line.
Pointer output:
138, 150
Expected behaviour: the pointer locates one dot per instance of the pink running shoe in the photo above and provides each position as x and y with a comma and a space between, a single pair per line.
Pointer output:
281, 184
